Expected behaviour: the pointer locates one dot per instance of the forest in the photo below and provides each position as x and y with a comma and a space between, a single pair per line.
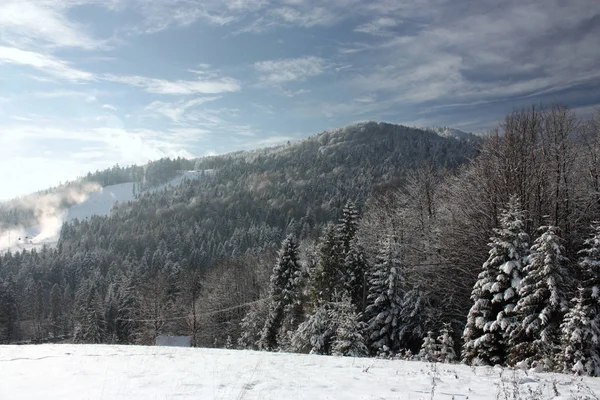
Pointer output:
371, 240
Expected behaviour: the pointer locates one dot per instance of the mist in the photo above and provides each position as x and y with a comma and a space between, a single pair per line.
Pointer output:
50, 211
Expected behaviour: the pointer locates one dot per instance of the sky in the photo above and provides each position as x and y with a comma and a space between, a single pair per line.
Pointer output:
86, 84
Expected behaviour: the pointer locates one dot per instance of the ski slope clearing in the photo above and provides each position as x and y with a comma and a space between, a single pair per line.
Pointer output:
98, 203
133, 372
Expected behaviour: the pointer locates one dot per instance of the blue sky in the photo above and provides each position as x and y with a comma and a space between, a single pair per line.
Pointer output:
85, 84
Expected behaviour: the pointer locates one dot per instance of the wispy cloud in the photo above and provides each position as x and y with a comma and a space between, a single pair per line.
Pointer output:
54, 94
175, 111
38, 22
277, 72
43, 63
182, 87
109, 107
379, 26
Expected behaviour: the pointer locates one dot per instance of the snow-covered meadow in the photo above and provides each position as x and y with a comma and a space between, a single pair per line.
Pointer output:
94, 372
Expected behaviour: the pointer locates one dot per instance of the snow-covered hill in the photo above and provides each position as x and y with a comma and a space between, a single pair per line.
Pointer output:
99, 203
97, 372
445, 131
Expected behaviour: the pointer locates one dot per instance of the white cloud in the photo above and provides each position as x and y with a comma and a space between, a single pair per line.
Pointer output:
82, 150
163, 86
109, 107
60, 93
42, 22
307, 17
177, 110
379, 26
291, 69
43, 63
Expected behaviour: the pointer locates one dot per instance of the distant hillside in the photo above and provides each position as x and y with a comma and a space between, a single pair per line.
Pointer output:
448, 132
236, 215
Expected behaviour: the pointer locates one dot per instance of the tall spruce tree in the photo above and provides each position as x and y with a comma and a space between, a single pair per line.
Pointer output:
284, 292
581, 326
355, 271
495, 293
543, 301
387, 287
56, 310
347, 227
580, 338
590, 268
327, 278
348, 339
8, 312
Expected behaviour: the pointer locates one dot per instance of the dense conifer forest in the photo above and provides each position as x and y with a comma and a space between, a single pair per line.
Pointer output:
370, 240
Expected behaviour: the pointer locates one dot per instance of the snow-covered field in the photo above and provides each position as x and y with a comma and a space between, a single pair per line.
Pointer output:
69, 372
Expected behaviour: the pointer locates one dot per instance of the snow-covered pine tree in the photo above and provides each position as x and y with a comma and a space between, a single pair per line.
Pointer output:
414, 317
346, 229
126, 299
348, 339
543, 301
355, 269
580, 338
387, 287
284, 291
327, 277
8, 312
252, 324
429, 348
314, 335
495, 293
581, 326
590, 268
481, 346
446, 353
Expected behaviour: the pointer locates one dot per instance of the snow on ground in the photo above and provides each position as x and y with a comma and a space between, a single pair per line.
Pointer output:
99, 203
97, 372
102, 201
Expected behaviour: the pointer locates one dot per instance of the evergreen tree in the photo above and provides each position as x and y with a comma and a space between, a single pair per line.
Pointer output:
8, 312
251, 326
543, 301
355, 270
328, 279
284, 292
347, 339
56, 310
495, 293
581, 338
126, 300
111, 314
590, 268
90, 327
386, 292
414, 317
429, 348
346, 229
315, 334
581, 326
446, 353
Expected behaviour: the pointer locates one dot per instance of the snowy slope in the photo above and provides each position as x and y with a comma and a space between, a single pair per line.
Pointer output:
69, 372
102, 201
98, 203
445, 131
